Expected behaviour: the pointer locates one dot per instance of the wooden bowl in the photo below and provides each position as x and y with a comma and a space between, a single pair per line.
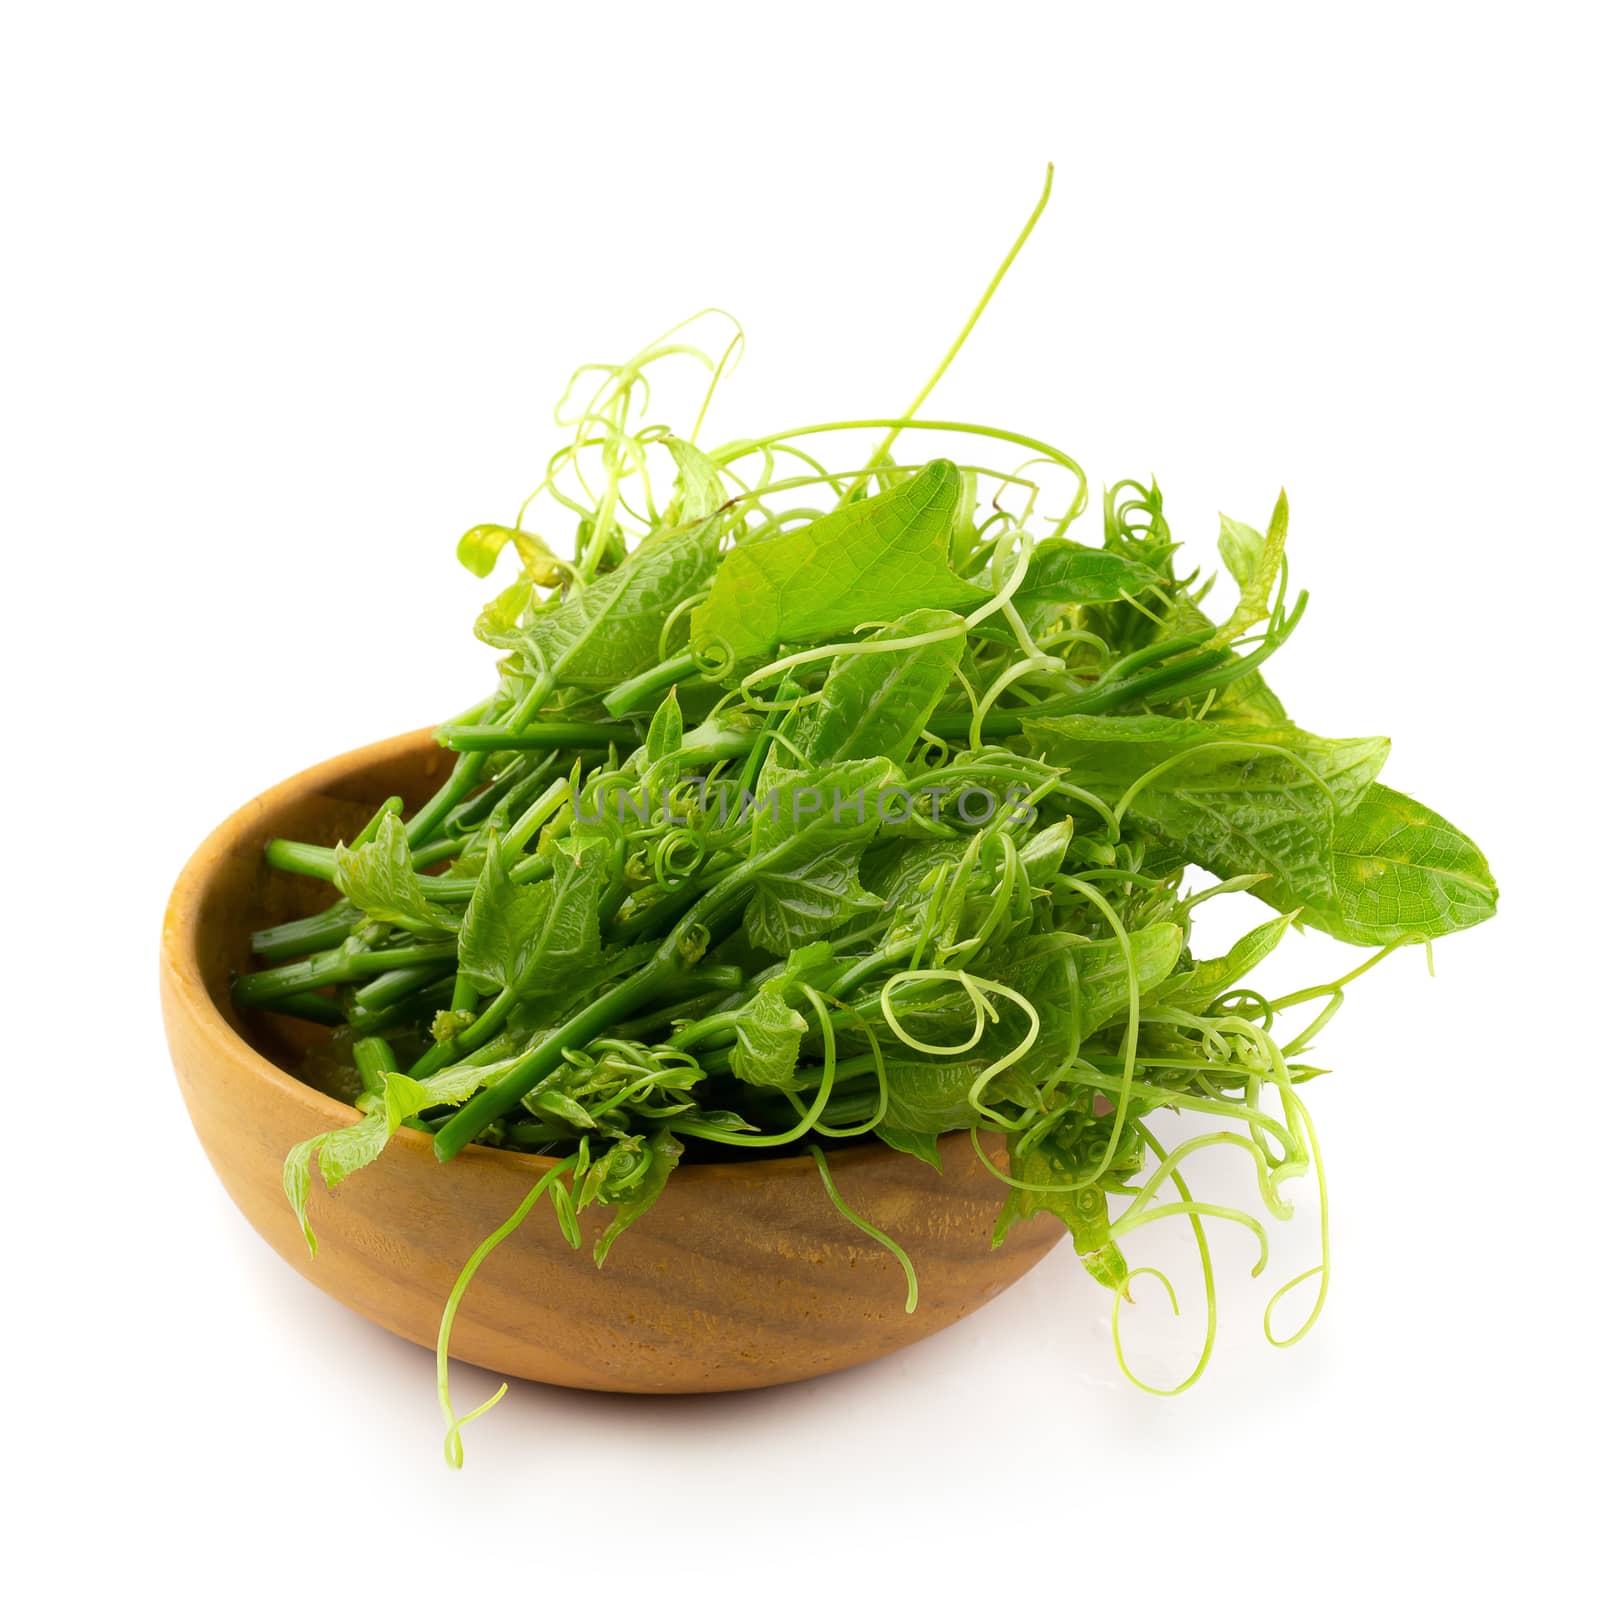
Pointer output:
742, 1275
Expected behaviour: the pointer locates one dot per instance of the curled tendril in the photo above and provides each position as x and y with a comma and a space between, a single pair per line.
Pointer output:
677, 856
453, 1424
810, 1119
983, 1013
674, 616
712, 660
1203, 1247
866, 1227
880, 1072
836, 652
1300, 1119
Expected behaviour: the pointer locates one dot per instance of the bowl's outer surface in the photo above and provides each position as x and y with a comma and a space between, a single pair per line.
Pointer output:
742, 1274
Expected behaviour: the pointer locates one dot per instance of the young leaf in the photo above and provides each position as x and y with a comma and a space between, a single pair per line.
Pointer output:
929, 1094
1242, 550
1197, 988
538, 938
379, 879
767, 1030
480, 549
665, 1152
807, 832
339, 1153
1083, 1210
610, 630
1044, 852
405, 1097
1261, 565
867, 561
767, 1045
1066, 574
1102, 971
699, 490
877, 702
665, 736
661, 762
348, 1150
297, 1184
808, 901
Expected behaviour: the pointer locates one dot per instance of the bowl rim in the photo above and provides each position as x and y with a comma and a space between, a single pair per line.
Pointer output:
185, 984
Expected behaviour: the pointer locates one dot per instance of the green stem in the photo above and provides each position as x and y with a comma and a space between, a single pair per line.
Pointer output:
308, 1007
445, 1051
643, 688
373, 1059
394, 985
409, 1010
468, 769
392, 807
334, 967
308, 860
593, 1020
543, 734
307, 935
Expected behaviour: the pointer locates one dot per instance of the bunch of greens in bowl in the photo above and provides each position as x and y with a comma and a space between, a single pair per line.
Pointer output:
838, 786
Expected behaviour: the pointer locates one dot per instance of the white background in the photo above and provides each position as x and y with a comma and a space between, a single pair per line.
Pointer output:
289, 292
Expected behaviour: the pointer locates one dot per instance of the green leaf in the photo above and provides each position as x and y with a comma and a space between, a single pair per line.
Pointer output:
405, 1097
1248, 699
877, 702
339, 1153
928, 1094
555, 1106
665, 736
480, 549
380, 881
665, 1153
809, 900
1102, 970
1238, 798
767, 1030
1243, 551
504, 612
1044, 852
699, 491
924, 1146
1400, 871
897, 870
1083, 1210
868, 561
1197, 988
1261, 566
348, 1150
297, 1184
1052, 969
537, 939
611, 630
797, 814
1063, 573
807, 832
660, 760
768, 1034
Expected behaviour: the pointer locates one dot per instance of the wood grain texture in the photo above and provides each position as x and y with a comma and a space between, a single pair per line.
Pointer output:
742, 1275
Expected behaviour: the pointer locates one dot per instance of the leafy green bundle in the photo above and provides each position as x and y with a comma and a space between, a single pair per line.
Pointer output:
820, 804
